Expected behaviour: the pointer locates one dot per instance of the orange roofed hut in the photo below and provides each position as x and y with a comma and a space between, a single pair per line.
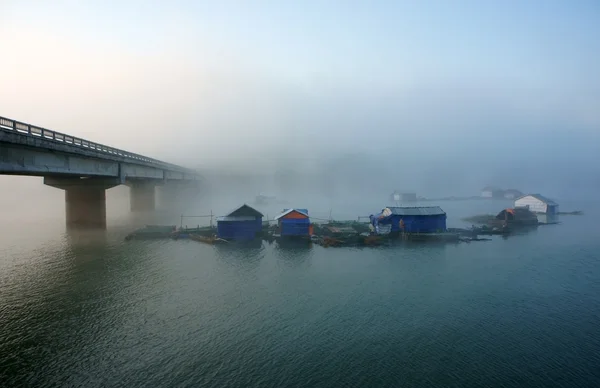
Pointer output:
294, 222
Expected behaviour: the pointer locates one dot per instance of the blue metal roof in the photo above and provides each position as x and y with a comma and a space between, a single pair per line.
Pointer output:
540, 197
417, 211
245, 211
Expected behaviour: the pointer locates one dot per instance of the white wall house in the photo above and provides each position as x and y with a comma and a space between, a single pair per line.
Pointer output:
491, 192
537, 203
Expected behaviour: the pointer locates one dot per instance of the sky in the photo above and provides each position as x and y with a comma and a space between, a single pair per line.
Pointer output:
478, 89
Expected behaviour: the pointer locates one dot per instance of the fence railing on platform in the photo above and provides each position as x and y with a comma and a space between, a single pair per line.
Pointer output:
211, 215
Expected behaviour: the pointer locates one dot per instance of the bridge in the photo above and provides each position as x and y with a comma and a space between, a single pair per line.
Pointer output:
85, 170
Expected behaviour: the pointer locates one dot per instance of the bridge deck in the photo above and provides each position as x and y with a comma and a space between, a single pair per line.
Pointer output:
40, 139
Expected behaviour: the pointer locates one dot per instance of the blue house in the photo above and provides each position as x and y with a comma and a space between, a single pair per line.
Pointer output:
294, 222
244, 223
431, 219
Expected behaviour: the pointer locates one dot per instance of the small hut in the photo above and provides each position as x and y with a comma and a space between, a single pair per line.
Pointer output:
492, 192
537, 203
294, 222
425, 219
403, 197
517, 216
244, 223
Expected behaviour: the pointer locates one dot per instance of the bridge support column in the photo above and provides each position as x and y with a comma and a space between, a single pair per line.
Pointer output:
141, 196
85, 200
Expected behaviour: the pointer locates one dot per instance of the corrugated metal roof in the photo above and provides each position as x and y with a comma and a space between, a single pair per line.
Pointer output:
236, 218
288, 211
245, 210
417, 211
546, 200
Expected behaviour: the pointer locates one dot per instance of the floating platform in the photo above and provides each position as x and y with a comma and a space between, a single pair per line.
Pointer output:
372, 240
438, 237
353, 233
189, 232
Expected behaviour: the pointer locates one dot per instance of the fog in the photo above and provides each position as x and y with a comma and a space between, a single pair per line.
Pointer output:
328, 101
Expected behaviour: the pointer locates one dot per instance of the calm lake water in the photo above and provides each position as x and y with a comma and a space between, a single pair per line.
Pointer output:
91, 310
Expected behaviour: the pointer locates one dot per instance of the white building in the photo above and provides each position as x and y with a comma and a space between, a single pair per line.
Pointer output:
404, 197
491, 192
537, 203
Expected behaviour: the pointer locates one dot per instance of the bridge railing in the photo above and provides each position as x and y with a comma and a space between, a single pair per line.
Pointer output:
62, 138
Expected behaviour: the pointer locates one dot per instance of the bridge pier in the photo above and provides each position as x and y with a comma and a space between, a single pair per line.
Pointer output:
62, 159
142, 195
85, 200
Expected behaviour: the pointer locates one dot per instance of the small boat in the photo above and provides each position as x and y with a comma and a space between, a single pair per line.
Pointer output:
188, 232
207, 239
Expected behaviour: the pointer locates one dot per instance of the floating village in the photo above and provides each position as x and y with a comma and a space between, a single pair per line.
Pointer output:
246, 226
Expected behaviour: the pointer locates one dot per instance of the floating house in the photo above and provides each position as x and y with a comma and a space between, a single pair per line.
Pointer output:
294, 223
244, 223
403, 197
492, 192
537, 204
429, 219
517, 216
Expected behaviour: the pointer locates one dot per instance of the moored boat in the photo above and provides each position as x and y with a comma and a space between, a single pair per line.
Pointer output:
207, 239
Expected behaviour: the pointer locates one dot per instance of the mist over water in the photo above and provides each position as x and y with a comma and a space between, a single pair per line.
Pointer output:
327, 106
88, 308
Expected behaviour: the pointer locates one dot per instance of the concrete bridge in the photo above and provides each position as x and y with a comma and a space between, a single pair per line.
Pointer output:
85, 170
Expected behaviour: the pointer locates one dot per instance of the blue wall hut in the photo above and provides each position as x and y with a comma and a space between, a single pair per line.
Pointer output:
294, 222
431, 219
244, 223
